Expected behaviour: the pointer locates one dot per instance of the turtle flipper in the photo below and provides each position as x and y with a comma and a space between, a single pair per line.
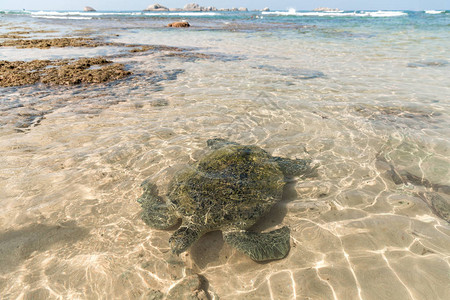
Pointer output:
155, 212
292, 167
261, 246
183, 238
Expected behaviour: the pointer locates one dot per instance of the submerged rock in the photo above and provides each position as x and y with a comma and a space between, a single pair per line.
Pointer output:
436, 196
296, 73
439, 204
189, 56
154, 295
156, 7
88, 8
428, 63
179, 24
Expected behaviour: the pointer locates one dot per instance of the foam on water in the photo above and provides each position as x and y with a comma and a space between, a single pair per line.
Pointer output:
79, 13
379, 13
434, 12
61, 17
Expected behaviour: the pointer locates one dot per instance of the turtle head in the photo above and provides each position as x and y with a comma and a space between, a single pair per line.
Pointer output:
182, 239
217, 143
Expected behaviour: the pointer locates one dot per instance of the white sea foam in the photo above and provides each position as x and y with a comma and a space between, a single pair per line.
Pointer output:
15, 12
77, 13
434, 12
379, 13
382, 13
63, 17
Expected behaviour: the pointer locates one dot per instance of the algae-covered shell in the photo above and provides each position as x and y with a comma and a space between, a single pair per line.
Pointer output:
230, 187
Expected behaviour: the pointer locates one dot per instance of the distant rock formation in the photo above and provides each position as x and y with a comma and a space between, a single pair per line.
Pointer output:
178, 24
196, 7
88, 8
326, 9
266, 9
156, 7
192, 7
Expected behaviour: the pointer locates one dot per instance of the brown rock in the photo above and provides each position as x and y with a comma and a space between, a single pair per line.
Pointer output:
88, 8
179, 24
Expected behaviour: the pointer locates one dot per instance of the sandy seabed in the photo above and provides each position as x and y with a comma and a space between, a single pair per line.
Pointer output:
371, 224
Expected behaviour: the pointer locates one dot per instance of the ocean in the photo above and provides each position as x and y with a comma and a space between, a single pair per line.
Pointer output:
362, 95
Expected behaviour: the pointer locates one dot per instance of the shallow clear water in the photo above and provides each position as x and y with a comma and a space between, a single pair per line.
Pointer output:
365, 98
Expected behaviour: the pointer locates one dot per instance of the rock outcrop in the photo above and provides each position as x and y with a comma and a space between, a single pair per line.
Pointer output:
179, 24
156, 7
242, 9
266, 9
88, 8
326, 9
196, 7
192, 7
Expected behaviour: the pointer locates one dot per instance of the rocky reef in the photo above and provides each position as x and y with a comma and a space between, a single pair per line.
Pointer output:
56, 42
60, 72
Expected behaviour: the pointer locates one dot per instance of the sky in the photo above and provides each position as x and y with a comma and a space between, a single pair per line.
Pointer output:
250, 4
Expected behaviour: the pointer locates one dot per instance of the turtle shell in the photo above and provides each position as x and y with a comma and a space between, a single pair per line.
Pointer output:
229, 188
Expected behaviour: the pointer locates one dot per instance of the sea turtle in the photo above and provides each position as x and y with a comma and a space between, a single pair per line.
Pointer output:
229, 189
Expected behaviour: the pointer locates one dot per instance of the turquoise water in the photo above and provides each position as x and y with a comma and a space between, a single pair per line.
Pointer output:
363, 95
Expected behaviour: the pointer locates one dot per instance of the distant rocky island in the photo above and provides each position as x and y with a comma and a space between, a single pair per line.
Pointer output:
156, 7
88, 8
193, 7
326, 9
